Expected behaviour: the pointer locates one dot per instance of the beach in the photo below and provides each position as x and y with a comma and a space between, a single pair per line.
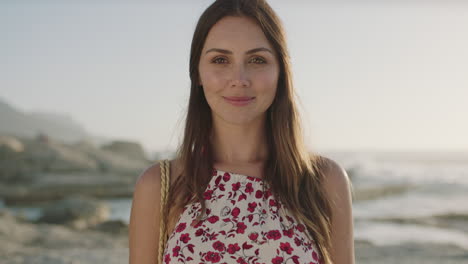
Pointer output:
72, 204
25, 242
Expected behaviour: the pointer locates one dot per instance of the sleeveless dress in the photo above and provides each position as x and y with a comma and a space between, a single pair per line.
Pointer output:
244, 223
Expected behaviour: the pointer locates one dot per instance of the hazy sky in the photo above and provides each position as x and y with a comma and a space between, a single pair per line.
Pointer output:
369, 75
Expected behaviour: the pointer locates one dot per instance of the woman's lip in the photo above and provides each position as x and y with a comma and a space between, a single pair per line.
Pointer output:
235, 98
239, 101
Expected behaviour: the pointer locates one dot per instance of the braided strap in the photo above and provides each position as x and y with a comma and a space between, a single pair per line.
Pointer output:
164, 165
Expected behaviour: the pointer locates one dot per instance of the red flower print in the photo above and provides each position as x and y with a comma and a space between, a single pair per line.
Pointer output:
295, 259
297, 241
248, 188
258, 194
250, 216
273, 234
226, 177
241, 260
236, 186
218, 245
277, 260
253, 236
246, 246
185, 237
190, 247
199, 232
207, 194
286, 247
233, 248
221, 187
175, 251
314, 255
218, 179
214, 172
272, 202
231, 212
241, 228
289, 232
167, 259
212, 257
252, 207
300, 227
242, 197
235, 212
213, 219
181, 227
196, 224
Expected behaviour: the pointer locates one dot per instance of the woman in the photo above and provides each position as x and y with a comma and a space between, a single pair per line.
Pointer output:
243, 187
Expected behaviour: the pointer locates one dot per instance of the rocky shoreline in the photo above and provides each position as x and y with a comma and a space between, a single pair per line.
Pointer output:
68, 180
41, 169
105, 241
27, 242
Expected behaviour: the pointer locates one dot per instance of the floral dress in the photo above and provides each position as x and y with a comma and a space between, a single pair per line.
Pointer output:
244, 223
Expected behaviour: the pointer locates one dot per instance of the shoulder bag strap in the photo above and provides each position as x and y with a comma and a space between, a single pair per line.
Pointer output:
165, 180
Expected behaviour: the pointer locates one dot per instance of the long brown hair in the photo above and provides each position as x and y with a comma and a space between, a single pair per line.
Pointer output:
295, 176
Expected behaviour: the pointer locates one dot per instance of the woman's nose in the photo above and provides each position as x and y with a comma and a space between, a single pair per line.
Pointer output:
239, 76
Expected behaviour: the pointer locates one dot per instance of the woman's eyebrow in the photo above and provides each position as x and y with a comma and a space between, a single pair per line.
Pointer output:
230, 52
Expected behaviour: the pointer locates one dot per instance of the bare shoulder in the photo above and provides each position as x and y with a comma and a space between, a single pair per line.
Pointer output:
338, 188
337, 182
151, 176
144, 216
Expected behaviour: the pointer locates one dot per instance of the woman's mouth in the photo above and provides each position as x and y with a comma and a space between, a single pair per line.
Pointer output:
238, 101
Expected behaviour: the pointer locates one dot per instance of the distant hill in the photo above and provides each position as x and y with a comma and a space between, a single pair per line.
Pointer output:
58, 126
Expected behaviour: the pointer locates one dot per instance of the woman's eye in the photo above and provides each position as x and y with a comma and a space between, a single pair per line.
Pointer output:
219, 60
258, 60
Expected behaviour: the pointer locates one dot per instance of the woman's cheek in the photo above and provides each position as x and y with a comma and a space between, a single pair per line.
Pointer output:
215, 80
267, 82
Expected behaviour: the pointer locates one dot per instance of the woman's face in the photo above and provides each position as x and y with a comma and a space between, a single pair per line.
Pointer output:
238, 70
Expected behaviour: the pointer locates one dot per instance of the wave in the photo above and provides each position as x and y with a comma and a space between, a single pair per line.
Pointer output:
376, 192
449, 220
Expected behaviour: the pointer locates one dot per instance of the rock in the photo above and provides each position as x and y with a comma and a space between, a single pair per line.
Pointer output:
9, 144
109, 161
40, 156
76, 211
13, 166
13, 229
46, 169
25, 242
113, 227
84, 144
55, 156
126, 148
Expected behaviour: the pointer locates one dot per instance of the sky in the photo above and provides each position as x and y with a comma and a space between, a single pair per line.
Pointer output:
369, 75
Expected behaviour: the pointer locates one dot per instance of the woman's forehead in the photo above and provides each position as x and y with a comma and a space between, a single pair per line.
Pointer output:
236, 34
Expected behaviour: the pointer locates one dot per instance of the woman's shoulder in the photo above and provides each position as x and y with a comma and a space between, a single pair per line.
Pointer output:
336, 179
151, 176
145, 215
339, 190
330, 166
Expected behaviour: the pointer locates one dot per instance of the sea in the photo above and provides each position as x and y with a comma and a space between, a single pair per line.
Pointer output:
398, 197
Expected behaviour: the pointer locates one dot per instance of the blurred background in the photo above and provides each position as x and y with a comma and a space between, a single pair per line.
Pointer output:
94, 92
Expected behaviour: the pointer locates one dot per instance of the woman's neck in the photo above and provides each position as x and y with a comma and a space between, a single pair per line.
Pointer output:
239, 144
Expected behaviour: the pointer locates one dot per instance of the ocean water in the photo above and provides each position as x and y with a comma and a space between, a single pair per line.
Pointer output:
409, 197
397, 197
